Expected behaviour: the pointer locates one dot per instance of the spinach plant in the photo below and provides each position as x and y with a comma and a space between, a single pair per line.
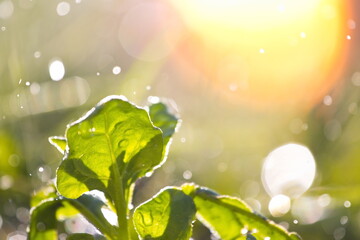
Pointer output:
108, 149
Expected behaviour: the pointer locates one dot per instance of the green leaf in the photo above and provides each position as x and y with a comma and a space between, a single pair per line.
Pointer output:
168, 215
163, 119
43, 223
59, 208
80, 236
47, 192
108, 149
230, 218
59, 143
90, 207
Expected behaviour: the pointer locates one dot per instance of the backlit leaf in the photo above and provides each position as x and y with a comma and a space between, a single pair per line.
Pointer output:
168, 215
59, 143
230, 218
43, 222
163, 119
47, 192
46, 214
80, 236
114, 144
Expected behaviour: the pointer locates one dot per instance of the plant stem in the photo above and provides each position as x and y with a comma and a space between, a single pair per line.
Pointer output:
118, 192
104, 227
120, 206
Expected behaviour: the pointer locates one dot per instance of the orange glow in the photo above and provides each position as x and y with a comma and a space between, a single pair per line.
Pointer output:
267, 52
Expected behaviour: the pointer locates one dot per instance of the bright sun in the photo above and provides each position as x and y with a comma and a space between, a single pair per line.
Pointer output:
265, 52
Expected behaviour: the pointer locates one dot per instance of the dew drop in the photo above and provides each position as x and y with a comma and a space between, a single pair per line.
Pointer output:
158, 200
295, 221
130, 206
84, 128
148, 88
148, 219
129, 132
261, 50
123, 143
27, 83
348, 37
41, 169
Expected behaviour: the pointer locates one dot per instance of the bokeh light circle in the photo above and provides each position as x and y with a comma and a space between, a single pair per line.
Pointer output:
289, 170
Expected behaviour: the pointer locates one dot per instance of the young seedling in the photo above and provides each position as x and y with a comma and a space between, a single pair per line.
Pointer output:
108, 149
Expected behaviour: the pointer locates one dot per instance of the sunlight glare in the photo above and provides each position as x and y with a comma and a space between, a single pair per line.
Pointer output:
301, 44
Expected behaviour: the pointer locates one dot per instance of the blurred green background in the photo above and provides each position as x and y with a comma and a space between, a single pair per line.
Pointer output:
245, 78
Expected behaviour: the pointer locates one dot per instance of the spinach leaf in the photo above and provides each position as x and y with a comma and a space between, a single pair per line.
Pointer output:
59, 143
108, 149
80, 236
168, 215
47, 211
85, 236
163, 119
43, 222
230, 218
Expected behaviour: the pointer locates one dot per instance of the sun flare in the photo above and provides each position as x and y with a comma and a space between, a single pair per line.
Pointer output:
267, 52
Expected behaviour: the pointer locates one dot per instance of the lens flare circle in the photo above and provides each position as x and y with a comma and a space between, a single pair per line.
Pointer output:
289, 170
